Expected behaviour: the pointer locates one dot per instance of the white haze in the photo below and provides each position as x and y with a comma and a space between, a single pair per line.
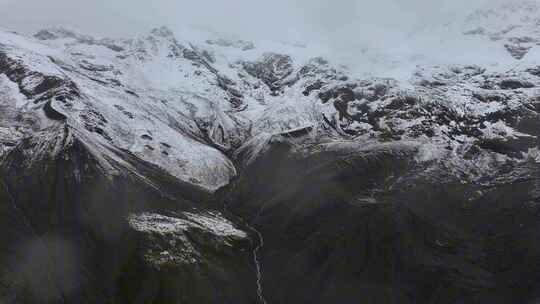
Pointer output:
277, 19
343, 28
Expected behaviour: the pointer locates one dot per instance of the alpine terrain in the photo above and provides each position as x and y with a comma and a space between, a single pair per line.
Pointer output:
194, 168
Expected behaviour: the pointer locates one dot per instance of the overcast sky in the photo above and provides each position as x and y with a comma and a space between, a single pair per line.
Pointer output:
289, 19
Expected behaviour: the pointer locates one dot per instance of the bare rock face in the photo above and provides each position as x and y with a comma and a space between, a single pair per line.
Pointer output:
534, 71
176, 240
517, 51
181, 257
271, 69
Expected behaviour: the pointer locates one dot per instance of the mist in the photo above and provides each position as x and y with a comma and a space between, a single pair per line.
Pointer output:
300, 20
338, 30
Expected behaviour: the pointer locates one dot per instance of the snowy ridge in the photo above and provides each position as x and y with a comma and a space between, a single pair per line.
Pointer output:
132, 121
187, 104
181, 240
508, 31
212, 223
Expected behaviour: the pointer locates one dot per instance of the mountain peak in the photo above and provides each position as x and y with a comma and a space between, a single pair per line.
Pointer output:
61, 32
162, 31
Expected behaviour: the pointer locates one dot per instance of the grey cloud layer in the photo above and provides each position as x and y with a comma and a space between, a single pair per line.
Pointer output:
298, 19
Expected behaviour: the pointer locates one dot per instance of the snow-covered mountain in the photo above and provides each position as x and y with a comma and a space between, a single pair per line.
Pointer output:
106, 143
507, 31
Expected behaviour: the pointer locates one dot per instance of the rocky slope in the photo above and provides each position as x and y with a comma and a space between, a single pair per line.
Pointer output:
162, 169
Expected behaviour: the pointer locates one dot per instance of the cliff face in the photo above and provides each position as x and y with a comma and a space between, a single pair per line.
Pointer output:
162, 170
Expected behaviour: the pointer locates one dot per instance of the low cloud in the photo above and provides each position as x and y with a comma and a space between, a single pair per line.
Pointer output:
341, 29
283, 19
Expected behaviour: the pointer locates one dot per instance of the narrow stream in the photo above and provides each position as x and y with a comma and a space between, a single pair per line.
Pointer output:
255, 254
260, 244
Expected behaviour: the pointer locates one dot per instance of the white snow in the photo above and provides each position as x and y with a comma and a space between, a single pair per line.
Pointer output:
148, 96
213, 223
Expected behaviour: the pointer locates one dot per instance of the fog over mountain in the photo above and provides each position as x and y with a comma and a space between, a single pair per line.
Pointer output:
315, 20
337, 30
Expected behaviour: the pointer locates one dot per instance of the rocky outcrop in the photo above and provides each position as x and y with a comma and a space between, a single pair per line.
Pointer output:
271, 69
517, 51
191, 258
